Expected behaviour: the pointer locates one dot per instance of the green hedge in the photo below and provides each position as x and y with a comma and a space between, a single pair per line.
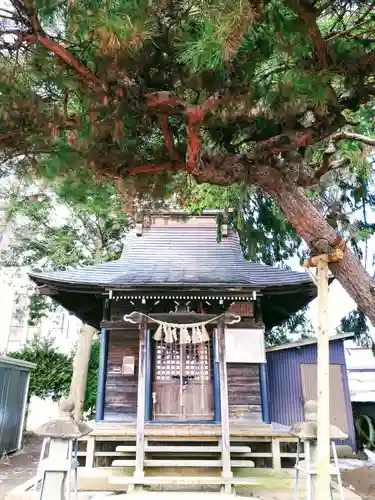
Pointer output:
53, 372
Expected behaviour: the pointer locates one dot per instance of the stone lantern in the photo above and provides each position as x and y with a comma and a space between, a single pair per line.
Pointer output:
307, 432
55, 470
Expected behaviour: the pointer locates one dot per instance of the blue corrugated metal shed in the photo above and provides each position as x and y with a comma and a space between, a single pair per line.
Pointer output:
285, 380
14, 385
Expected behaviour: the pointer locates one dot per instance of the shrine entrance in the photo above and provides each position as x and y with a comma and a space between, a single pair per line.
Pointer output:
182, 381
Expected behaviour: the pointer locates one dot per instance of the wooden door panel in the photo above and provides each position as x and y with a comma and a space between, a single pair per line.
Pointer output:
198, 401
182, 383
338, 414
167, 404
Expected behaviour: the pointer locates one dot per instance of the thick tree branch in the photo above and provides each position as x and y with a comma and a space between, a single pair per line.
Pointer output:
167, 104
151, 168
311, 225
341, 136
289, 141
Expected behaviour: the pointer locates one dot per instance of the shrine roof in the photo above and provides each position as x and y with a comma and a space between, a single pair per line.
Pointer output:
178, 256
181, 255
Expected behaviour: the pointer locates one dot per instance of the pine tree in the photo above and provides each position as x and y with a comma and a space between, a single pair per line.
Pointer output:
269, 94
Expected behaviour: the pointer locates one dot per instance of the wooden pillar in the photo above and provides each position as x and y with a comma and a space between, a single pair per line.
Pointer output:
225, 436
80, 370
275, 448
141, 401
263, 382
216, 379
90, 452
102, 374
103, 361
148, 393
323, 451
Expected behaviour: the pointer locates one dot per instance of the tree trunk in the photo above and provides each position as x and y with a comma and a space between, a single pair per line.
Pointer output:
312, 226
80, 370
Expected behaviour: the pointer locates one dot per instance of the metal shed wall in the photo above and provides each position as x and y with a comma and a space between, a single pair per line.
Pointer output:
285, 383
14, 385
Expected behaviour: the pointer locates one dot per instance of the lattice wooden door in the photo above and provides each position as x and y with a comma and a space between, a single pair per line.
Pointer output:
182, 387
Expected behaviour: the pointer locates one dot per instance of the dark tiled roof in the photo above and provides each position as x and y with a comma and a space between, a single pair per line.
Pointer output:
178, 256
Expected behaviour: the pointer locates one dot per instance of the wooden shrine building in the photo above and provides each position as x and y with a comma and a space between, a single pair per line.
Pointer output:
185, 371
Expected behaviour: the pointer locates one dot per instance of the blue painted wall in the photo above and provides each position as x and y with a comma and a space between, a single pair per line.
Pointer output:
285, 383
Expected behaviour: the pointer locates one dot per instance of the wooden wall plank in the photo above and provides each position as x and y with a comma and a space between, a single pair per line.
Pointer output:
244, 391
121, 390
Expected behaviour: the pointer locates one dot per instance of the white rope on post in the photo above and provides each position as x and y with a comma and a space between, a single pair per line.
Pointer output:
170, 331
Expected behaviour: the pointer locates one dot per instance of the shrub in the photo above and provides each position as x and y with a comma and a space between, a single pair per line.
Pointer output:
53, 373
92, 380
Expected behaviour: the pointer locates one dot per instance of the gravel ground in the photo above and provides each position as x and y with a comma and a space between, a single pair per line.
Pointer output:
362, 481
19, 467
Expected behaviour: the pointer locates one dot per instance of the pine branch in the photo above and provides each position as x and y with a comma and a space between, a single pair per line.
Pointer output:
324, 7
15, 32
87, 75
348, 30
370, 9
341, 136
328, 166
39, 35
308, 15
7, 11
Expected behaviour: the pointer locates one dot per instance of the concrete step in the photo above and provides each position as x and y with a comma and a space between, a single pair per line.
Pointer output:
184, 449
242, 463
182, 463
169, 463
181, 480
